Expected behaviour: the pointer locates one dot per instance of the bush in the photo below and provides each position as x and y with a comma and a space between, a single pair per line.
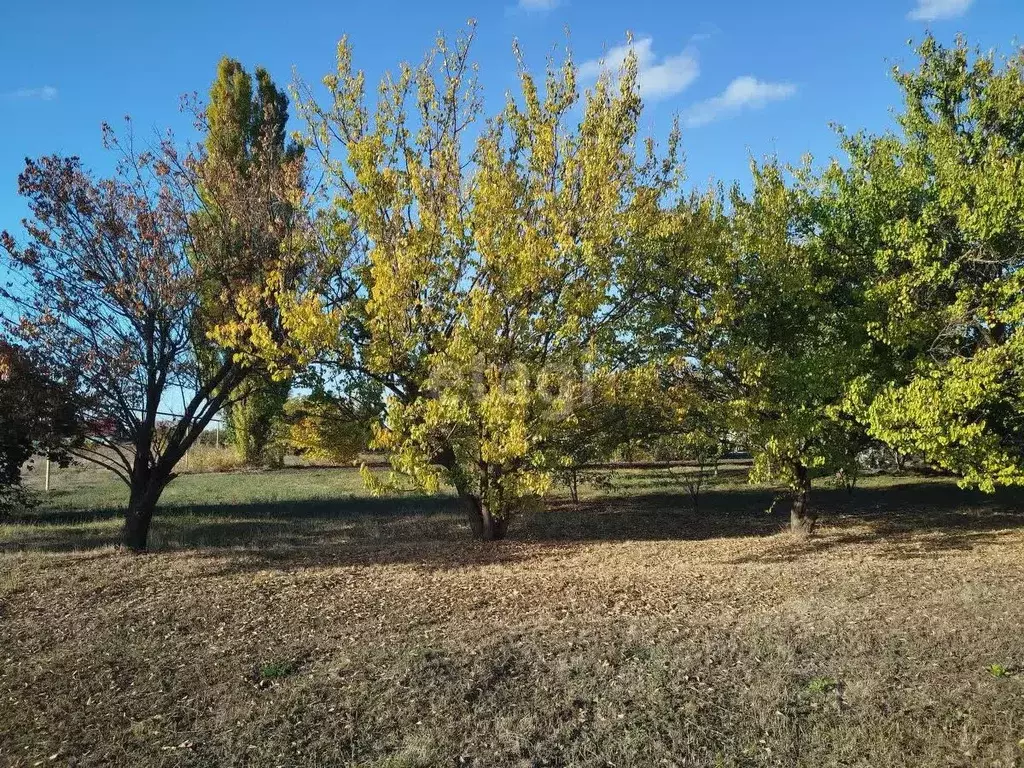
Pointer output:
208, 458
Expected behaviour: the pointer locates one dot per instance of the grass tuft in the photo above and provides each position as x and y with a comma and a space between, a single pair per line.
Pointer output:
1001, 670
275, 670
822, 685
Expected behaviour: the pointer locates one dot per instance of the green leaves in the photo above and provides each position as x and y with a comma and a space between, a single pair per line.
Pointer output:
39, 415
949, 196
779, 325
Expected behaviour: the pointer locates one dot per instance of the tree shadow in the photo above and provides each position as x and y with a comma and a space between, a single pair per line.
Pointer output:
416, 530
214, 525
333, 507
908, 519
912, 518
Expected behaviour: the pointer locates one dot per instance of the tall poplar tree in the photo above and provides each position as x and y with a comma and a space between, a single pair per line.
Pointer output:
246, 137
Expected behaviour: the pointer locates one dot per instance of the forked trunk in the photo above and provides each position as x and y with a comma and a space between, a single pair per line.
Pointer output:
802, 518
484, 524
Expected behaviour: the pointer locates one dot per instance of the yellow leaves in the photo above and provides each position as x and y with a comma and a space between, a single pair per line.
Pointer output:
486, 283
266, 325
326, 432
504, 416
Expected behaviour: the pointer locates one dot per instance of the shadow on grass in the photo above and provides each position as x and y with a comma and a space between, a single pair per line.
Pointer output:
327, 508
917, 518
911, 520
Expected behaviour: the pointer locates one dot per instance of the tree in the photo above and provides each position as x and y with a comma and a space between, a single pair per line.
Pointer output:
245, 137
695, 430
256, 419
619, 407
330, 427
764, 318
489, 267
108, 286
797, 341
947, 194
39, 415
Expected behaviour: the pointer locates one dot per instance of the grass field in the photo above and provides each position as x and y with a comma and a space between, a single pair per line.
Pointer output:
287, 619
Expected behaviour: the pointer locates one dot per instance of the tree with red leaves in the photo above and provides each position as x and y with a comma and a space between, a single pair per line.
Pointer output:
113, 284
38, 416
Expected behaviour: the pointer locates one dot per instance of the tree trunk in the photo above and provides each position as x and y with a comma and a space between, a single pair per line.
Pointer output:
802, 518
900, 461
139, 515
482, 521
485, 526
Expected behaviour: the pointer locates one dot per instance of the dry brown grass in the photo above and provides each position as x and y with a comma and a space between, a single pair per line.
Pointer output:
629, 632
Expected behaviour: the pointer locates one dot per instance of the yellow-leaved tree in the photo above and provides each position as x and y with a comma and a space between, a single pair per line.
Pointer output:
490, 255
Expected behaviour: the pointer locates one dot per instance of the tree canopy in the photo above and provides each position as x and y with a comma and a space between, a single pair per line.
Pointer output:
39, 415
944, 198
488, 254
497, 300
137, 287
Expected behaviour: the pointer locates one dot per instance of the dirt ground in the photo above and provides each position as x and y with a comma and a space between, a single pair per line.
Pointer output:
287, 620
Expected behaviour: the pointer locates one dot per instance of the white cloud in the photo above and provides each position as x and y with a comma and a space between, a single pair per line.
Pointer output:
45, 93
933, 10
537, 5
742, 93
657, 79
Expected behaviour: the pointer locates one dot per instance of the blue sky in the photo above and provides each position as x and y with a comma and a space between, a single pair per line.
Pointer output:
745, 76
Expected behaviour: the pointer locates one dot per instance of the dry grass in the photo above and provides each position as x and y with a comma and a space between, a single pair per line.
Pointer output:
287, 620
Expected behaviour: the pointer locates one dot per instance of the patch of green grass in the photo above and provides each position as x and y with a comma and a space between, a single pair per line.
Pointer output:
275, 670
822, 685
1000, 670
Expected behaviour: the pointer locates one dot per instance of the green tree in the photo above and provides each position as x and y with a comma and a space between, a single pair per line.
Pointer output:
796, 343
946, 195
255, 420
694, 429
333, 427
764, 320
620, 407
